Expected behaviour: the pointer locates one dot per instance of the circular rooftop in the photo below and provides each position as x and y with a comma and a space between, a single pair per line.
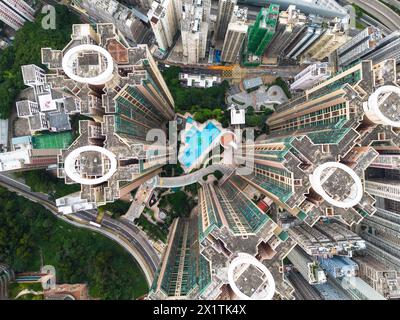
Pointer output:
88, 63
252, 280
87, 160
384, 106
337, 184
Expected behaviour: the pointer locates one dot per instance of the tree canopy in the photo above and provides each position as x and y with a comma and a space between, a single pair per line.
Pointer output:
177, 204
26, 49
44, 181
186, 98
27, 231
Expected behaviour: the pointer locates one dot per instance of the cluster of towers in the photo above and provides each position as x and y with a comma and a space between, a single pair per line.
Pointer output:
330, 154
122, 95
288, 34
332, 151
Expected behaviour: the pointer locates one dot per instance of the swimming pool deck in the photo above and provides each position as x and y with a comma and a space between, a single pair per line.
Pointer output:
195, 147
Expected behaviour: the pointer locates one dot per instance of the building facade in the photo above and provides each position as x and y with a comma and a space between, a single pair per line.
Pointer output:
386, 48
111, 11
261, 33
303, 38
379, 276
235, 36
291, 23
164, 23
45, 108
224, 15
359, 46
311, 76
201, 250
194, 29
381, 231
308, 268
121, 89
333, 128
15, 13
332, 39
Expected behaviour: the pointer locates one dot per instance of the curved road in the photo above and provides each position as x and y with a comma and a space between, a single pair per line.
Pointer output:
188, 179
382, 12
368, 20
124, 233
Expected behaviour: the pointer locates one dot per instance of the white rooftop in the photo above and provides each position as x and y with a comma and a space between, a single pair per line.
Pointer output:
4, 132
14, 160
238, 116
47, 103
199, 80
73, 203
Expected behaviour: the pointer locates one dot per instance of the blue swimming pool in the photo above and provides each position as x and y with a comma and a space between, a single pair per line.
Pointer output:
189, 120
197, 142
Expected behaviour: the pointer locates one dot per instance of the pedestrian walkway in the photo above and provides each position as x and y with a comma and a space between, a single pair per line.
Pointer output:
188, 179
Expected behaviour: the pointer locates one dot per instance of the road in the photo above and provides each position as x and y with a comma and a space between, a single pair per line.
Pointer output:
382, 12
303, 289
124, 233
394, 3
128, 231
281, 71
368, 20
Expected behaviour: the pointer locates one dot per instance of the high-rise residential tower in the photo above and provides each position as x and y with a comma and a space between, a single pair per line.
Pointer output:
324, 8
312, 165
261, 33
202, 259
291, 23
45, 108
182, 272
14, 13
386, 48
359, 46
310, 76
111, 155
384, 279
111, 11
333, 38
224, 15
164, 23
307, 267
235, 36
194, 29
325, 240
382, 231
304, 39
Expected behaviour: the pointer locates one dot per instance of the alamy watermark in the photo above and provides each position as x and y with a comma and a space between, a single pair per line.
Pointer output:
203, 147
49, 19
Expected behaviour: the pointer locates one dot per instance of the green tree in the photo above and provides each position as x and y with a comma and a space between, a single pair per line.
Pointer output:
26, 49
194, 99
27, 230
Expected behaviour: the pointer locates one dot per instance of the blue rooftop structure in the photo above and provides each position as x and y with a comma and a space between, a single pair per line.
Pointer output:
339, 267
